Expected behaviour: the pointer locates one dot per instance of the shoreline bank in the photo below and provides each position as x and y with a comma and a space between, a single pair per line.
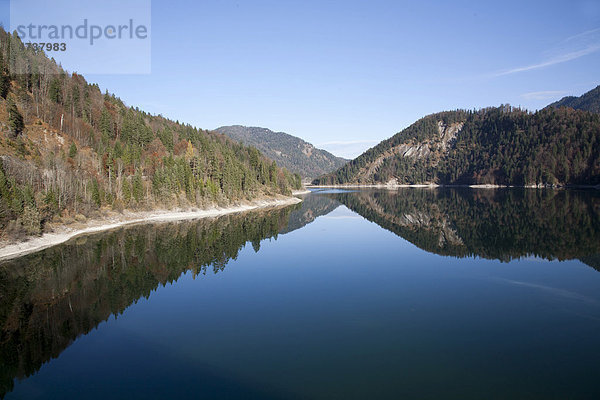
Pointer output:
436, 186
300, 192
65, 233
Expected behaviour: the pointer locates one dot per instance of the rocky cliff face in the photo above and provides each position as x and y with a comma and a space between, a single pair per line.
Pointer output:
503, 145
430, 149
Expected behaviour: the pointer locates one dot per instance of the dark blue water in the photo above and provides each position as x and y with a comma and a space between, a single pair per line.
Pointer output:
429, 296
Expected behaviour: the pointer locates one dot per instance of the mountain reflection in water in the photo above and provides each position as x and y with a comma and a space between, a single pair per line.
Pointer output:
50, 298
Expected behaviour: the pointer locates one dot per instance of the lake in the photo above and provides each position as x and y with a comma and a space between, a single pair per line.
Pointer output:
411, 293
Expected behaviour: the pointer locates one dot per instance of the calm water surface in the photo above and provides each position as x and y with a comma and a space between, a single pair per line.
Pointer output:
415, 293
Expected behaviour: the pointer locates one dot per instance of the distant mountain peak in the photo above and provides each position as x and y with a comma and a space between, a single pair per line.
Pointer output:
589, 101
287, 151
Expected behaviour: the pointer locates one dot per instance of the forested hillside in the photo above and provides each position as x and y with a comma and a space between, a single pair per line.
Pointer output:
288, 151
503, 146
589, 101
67, 150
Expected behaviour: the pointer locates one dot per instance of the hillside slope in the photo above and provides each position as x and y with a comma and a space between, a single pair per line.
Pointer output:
288, 151
502, 146
589, 101
67, 151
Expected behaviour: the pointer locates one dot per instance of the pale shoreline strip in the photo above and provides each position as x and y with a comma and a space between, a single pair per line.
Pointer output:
300, 192
435, 186
64, 234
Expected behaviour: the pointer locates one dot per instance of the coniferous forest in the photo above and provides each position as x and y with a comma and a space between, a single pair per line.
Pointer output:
500, 146
589, 101
68, 150
288, 151
160, 237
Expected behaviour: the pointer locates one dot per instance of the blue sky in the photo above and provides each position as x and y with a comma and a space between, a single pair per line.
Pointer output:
344, 75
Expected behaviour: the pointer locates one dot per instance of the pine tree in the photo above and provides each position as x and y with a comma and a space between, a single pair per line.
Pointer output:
126, 191
106, 124
96, 195
55, 92
72, 150
4, 84
138, 187
15, 119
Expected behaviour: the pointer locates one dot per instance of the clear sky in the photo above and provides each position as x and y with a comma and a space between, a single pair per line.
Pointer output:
344, 75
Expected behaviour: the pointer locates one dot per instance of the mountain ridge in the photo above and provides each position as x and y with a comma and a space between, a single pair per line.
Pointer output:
589, 101
291, 152
492, 146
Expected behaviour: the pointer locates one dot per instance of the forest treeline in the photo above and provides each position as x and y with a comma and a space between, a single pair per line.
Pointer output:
67, 149
499, 145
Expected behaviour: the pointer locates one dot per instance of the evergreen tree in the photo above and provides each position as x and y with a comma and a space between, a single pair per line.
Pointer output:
72, 150
4, 84
15, 119
106, 124
96, 195
138, 187
55, 91
126, 191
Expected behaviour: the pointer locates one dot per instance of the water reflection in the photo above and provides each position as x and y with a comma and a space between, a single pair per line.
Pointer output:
311, 208
495, 224
49, 298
